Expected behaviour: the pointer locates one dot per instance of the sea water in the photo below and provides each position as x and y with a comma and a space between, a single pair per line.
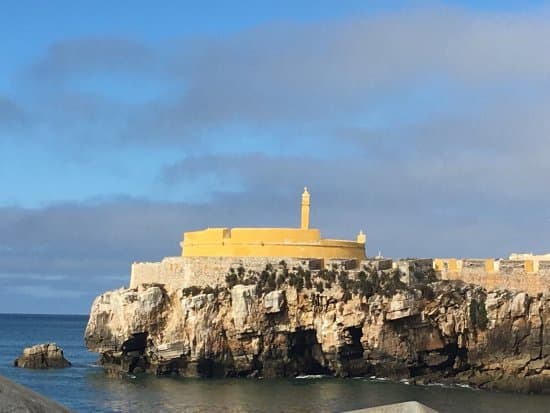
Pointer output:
85, 388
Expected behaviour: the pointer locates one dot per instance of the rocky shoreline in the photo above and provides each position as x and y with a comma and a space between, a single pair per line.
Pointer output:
290, 322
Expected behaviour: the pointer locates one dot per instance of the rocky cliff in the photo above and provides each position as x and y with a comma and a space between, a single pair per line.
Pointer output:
288, 322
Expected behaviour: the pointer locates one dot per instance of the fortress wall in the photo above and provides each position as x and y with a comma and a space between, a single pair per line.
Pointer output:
144, 273
512, 267
532, 283
184, 272
544, 267
211, 271
517, 275
377, 264
169, 272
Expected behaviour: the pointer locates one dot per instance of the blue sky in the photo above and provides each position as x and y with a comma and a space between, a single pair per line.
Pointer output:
123, 125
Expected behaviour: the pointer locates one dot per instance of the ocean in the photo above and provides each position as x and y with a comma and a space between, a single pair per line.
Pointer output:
85, 388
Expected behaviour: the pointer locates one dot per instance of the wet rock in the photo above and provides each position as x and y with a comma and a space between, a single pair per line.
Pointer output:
42, 356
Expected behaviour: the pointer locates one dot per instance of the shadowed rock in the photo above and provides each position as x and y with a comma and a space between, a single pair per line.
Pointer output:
16, 398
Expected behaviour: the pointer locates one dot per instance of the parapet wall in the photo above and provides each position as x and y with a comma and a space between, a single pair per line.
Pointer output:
530, 276
184, 272
169, 271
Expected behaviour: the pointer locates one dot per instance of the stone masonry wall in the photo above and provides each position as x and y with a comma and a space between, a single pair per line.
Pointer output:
532, 283
184, 272
169, 271
515, 275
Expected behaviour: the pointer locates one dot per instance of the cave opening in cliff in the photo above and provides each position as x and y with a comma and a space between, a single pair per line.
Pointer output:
450, 357
306, 356
352, 349
136, 343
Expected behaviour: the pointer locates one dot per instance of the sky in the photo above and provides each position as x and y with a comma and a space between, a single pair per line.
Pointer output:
124, 124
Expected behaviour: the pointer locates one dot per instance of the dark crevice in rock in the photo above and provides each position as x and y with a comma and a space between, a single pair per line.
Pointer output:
353, 349
136, 343
305, 354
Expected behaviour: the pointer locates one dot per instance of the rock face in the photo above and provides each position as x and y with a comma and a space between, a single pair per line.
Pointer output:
16, 398
42, 356
406, 407
445, 331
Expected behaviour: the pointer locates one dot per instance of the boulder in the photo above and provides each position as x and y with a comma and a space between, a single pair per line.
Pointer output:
402, 305
406, 407
42, 356
520, 305
242, 299
16, 398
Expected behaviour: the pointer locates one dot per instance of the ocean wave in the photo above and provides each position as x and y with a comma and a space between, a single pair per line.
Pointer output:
311, 376
379, 378
465, 386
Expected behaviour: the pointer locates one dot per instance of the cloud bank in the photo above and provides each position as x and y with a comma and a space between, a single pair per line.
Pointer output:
429, 129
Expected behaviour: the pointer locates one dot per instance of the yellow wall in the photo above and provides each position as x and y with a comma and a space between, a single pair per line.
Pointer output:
453, 266
489, 265
267, 242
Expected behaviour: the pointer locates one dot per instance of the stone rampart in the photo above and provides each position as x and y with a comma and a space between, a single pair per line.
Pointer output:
515, 275
184, 272
169, 271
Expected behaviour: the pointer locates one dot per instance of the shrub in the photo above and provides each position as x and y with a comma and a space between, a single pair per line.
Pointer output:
478, 314
271, 284
344, 281
363, 285
427, 276
231, 279
193, 290
346, 296
427, 291
280, 280
264, 275
392, 283
307, 279
299, 284
319, 286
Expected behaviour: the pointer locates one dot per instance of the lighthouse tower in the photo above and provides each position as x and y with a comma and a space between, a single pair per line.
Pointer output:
305, 210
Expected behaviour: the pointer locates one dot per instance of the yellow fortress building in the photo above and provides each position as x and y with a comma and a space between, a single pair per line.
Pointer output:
303, 242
